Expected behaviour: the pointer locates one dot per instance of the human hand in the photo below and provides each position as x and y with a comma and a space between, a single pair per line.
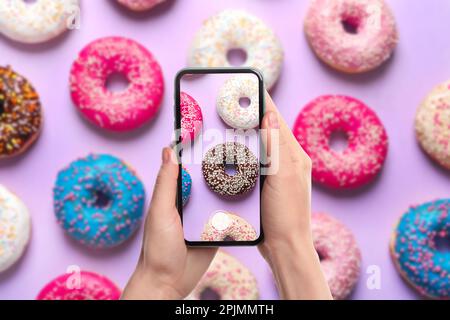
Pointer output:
167, 268
286, 213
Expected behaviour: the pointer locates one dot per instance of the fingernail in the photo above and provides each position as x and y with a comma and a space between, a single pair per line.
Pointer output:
165, 156
273, 120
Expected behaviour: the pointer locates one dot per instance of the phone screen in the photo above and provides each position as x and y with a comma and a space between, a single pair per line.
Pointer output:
218, 118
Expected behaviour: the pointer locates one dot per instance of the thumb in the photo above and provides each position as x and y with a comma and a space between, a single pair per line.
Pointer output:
165, 190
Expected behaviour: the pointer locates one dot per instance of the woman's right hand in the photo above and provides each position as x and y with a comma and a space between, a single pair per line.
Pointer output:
286, 213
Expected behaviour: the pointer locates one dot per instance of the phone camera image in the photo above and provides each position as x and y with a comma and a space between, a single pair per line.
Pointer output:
218, 117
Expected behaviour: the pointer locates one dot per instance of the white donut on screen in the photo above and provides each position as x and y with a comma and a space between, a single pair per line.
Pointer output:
237, 29
15, 228
228, 102
36, 22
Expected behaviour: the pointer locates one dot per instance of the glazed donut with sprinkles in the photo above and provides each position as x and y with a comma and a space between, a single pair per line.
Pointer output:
433, 124
352, 36
230, 153
83, 285
367, 146
37, 21
228, 278
99, 201
20, 113
237, 29
116, 111
415, 250
223, 226
340, 257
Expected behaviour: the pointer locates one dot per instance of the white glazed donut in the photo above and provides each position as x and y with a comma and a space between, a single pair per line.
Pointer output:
228, 102
36, 22
15, 228
228, 278
236, 29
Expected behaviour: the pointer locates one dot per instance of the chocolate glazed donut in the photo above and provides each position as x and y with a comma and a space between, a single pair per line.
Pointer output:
20, 113
230, 153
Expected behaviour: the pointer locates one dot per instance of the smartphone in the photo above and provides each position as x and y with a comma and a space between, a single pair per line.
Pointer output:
218, 115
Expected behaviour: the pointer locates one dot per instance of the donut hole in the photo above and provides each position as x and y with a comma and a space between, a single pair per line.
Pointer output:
443, 243
237, 57
338, 140
117, 82
209, 294
101, 199
30, 1
244, 102
228, 238
321, 255
230, 169
350, 24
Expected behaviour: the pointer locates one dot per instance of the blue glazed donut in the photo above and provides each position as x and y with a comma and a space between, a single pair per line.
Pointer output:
99, 201
416, 254
186, 186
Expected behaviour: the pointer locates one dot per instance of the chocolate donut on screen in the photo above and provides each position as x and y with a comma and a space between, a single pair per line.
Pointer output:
214, 169
20, 113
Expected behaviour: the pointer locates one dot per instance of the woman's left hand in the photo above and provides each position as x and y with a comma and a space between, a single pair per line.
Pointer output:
167, 268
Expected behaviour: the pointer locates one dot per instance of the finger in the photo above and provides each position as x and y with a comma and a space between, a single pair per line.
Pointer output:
285, 148
165, 190
198, 261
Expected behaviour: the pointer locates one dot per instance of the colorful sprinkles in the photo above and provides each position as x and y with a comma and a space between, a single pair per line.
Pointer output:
99, 201
367, 146
20, 113
415, 252
80, 286
433, 124
229, 278
230, 153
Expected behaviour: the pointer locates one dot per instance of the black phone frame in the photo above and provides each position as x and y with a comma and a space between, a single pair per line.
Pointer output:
178, 145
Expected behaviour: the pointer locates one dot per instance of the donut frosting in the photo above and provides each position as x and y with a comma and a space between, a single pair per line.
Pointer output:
225, 225
433, 124
140, 5
191, 117
15, 228
228, 278
238, 155
36, 22
99, 201
20, 113
83, 286
370, 43
116, 111
237, 29
415, 251
339, 253
228, 102
367, 146
186, 185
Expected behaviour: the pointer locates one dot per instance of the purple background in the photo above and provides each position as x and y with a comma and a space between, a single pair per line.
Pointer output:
394, 91
204, 202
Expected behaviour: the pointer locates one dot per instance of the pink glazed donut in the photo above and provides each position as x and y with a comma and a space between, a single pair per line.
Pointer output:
352, 36
140, 5
367, 146
116, 111
80, 286
191, 117
339, 254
